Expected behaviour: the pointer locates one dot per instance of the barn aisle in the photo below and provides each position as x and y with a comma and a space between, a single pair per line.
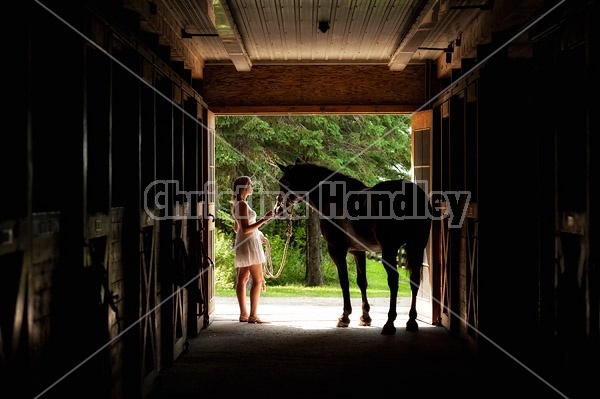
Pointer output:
301, 354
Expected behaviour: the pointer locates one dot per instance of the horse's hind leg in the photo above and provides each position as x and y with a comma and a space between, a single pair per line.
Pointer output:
414, 257
390, 263
361, 280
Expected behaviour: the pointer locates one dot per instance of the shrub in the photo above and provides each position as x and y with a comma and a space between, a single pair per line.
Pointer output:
224, 257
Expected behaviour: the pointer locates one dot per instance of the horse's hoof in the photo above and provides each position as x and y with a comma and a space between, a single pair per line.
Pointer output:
365, 321
411, 325
388, 329
343, 322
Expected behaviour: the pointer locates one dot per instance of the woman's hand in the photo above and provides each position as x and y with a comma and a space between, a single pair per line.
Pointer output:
268, 215
263, 239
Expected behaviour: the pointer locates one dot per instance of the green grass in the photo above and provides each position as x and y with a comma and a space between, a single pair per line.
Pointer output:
376, 277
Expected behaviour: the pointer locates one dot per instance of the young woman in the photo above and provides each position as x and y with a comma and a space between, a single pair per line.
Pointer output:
249, 252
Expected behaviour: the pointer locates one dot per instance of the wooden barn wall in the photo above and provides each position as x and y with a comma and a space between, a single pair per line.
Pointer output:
82, 262
100, 129
519, 277
314, 88
455, 172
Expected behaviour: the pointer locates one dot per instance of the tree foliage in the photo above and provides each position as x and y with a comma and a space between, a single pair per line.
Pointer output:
371, 148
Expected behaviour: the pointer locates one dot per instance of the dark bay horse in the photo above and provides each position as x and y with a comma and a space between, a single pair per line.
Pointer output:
355, 218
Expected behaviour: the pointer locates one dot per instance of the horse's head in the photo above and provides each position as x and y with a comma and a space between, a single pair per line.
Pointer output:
287, 198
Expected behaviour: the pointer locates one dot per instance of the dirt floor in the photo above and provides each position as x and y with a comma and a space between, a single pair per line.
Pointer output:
302, 354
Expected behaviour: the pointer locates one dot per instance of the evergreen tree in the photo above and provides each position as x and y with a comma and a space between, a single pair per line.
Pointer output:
371, 148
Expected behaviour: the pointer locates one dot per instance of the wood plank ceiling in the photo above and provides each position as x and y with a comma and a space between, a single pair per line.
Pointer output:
383, 32
393, 34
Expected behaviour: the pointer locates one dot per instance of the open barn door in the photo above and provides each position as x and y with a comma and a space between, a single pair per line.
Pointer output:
209, 209
421, 126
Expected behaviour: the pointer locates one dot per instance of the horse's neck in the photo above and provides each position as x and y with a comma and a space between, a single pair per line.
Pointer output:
319, 194
328, 200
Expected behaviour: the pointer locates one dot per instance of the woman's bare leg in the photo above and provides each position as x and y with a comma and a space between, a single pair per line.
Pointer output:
243, 273
257, 281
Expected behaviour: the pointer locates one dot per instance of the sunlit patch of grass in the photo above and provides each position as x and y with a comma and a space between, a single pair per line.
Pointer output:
376, 277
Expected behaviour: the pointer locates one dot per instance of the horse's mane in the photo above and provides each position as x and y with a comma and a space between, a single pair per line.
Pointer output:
325, 173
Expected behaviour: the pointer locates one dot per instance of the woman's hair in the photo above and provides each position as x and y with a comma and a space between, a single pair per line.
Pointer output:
239, 186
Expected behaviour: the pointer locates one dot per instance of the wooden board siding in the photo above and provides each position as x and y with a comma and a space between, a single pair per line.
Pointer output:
421, 125
305, 88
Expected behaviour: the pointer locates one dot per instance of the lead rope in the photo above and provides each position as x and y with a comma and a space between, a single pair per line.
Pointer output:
268, 265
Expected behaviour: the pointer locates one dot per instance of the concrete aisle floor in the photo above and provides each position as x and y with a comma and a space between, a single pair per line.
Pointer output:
301, 354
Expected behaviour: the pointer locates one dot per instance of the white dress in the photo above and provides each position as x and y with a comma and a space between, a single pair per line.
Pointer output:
248, 247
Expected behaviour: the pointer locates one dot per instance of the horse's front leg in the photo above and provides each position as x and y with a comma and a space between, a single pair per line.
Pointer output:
339, 258
361, 280
390, 263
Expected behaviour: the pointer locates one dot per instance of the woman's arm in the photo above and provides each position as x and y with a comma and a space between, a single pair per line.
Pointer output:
243, 222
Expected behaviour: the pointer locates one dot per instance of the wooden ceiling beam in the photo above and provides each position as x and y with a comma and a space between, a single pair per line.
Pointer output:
313, 89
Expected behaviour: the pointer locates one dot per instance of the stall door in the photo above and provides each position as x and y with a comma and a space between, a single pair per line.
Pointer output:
421, 166
149, 309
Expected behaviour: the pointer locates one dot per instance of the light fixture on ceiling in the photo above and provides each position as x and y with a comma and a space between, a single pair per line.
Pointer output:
323, 26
